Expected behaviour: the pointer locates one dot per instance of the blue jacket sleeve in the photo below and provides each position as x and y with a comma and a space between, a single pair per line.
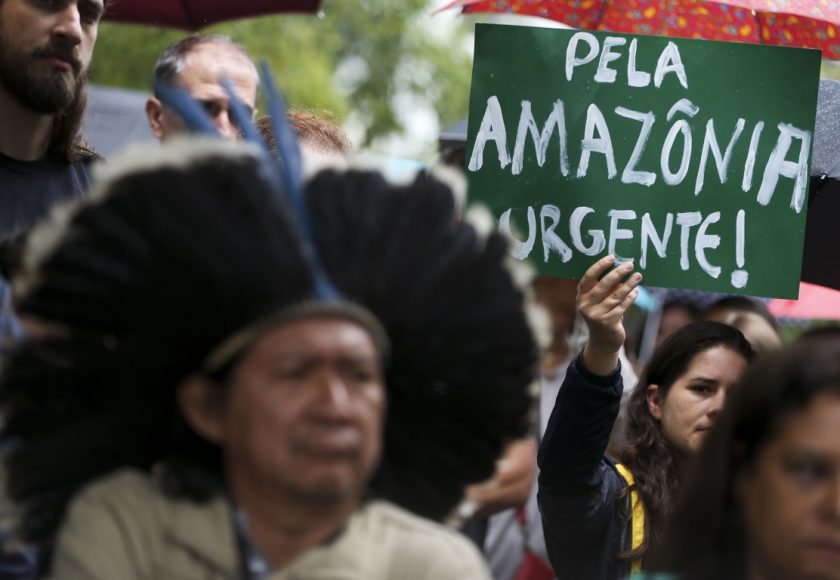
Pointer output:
578, 486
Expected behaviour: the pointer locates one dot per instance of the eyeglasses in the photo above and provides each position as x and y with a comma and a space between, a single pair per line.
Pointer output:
214, 108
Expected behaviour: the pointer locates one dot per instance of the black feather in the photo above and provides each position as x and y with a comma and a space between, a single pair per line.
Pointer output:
146, 282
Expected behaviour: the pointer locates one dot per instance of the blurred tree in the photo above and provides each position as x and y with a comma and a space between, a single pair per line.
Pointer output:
830, 69
353, 56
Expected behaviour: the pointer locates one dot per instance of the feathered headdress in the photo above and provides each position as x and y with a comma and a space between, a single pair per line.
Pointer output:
182, 247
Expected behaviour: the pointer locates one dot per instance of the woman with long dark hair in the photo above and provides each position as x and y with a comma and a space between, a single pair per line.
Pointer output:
763, 501
600, 517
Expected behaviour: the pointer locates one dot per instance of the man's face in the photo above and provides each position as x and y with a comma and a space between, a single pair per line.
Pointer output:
304, 411
203, 72
45, 50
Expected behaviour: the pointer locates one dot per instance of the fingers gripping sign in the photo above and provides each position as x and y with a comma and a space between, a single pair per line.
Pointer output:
604, 295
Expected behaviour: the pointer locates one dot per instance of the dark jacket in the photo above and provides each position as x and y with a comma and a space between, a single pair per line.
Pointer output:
586, 524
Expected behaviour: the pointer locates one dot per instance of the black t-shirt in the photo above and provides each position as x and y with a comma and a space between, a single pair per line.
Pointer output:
28, 189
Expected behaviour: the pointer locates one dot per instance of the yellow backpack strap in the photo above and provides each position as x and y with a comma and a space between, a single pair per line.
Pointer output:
637, 517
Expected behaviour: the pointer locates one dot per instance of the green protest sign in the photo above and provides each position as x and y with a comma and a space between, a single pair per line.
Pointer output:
689, 157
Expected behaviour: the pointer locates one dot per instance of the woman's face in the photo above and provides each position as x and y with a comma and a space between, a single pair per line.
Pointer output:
694, 400
791, 498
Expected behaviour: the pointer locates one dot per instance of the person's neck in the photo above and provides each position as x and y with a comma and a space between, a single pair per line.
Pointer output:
25, 134
283, 528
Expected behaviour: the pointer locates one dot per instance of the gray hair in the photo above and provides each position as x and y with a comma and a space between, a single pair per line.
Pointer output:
172, 61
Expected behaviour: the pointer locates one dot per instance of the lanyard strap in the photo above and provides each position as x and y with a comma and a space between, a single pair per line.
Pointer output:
254, 565
637, 516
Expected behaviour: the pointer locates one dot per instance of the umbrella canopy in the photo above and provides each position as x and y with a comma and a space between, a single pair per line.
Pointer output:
814, 302
826, 157
195, 14
820, 262
806, 23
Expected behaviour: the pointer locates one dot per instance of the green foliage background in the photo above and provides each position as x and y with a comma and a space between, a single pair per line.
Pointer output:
390, 54
830, 69
379, 41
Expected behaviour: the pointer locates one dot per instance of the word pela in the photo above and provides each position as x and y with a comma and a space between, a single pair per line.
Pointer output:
676, 158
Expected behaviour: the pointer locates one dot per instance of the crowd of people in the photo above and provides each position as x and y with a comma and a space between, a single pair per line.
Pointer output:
233, 355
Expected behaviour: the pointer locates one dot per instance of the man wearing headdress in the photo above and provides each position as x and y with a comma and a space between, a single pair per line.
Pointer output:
197, 64
237, 392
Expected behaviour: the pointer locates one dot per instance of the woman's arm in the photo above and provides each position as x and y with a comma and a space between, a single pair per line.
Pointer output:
577, 487
587, 404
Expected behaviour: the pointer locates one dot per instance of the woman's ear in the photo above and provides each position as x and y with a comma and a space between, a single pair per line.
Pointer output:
200, 401
654, 401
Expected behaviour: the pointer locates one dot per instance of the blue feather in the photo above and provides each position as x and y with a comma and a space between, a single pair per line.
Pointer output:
193, 115
291, 171
288, 173
287, 142
241, 117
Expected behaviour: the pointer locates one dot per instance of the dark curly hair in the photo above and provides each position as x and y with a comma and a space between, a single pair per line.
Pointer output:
647, 454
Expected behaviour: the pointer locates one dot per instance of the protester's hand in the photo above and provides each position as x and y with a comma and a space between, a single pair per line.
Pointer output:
603, 298
510, 486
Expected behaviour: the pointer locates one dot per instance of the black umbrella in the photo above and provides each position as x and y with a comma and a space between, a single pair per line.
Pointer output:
821, 262
826, 157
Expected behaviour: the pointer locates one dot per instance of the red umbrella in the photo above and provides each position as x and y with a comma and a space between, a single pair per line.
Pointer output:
815, 302
195, 14
806, 23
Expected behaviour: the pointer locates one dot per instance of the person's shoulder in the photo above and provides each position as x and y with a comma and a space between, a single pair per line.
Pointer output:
436, 550
109, 530
121, 482
128, 488
83, 165
83, 153
80, 161
391, 516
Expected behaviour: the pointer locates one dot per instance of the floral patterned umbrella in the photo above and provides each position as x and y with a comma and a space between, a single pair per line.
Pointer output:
805, 23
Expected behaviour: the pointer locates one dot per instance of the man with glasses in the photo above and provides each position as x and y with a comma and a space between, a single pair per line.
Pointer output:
198, 64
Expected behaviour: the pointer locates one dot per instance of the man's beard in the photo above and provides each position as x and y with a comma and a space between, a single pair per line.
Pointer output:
47, 92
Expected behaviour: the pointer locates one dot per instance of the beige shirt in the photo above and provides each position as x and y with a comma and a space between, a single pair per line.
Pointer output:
123, 528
